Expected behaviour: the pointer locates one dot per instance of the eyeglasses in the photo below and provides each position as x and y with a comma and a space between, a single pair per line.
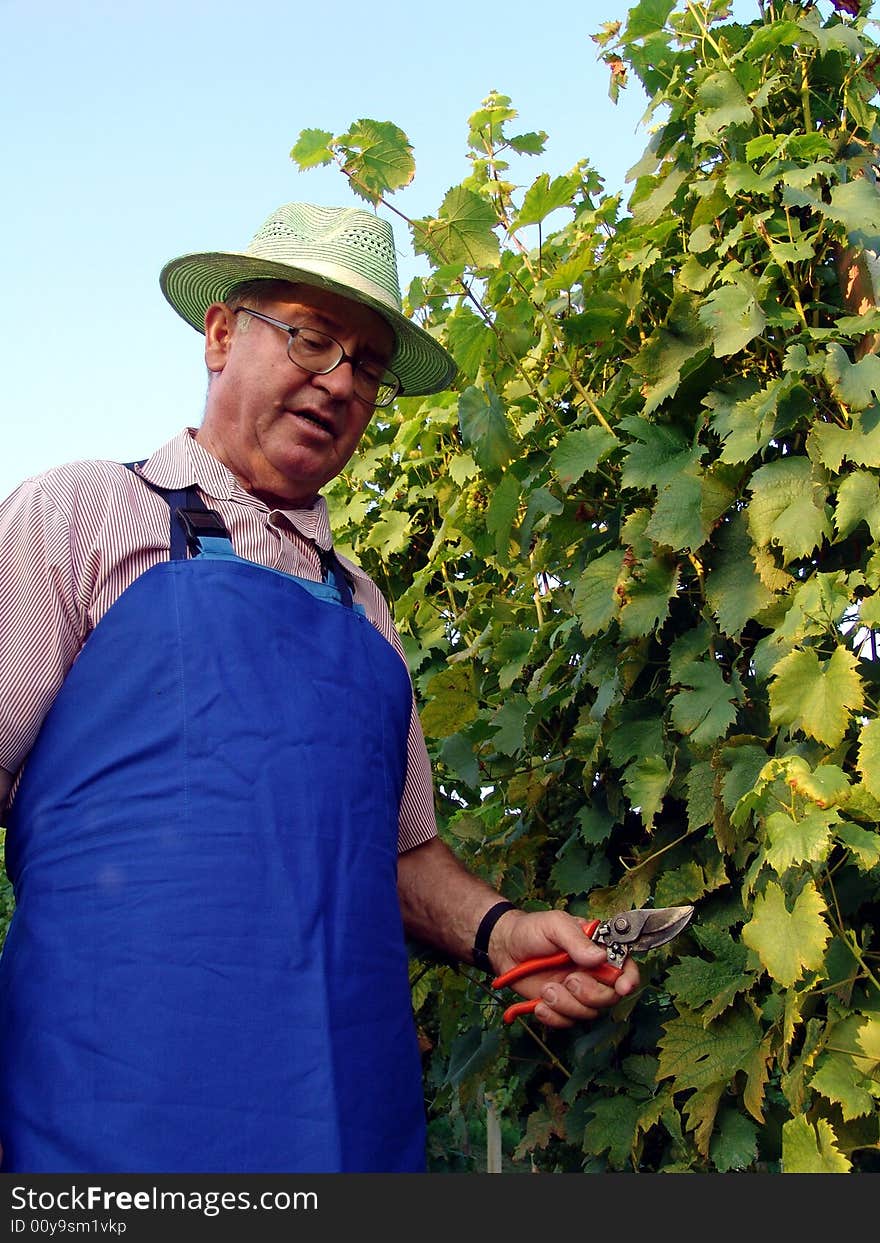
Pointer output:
316, 352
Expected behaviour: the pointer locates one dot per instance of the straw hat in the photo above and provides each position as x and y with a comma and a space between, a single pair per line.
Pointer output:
347, 251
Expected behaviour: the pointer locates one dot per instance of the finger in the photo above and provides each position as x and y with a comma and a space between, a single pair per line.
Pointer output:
587, 991
550, 1016
563, 1003
629, 979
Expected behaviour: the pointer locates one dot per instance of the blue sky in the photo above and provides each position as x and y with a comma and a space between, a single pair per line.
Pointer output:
134, 133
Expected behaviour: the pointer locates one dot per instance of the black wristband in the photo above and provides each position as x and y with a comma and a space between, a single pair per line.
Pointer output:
480, 952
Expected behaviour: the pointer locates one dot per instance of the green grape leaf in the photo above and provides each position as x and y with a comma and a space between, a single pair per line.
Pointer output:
484, 428
647, 598
461, 233
676, 520
511, 653
657, 455
468, 338
787, 507
767, 39
817, 697
451, 702
807, 840
646, 17
788, 943
378, 158
648, 208
509, 723
864, 844
390, 534
646, 781
733, 317
541, 502
838, 1078
858, 500
857, 385
715, 982
612, 1128
595, 597
856, 205
671, 352
869, 756
808, 1149
544, 196
694, 1055
860, 443
722, 103
706, 707
579, 871
502, 512
580, 451
734, 588
462, 468
532, 143
734, 1145
313, 148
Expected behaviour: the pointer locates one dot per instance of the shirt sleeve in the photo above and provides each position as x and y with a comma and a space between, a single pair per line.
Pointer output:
41, 622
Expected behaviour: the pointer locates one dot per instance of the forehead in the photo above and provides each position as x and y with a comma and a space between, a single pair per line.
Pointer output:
339, 316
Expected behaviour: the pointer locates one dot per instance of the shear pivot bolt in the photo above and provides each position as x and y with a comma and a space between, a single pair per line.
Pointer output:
621, 923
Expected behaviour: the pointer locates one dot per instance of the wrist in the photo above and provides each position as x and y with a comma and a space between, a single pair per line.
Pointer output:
480, 954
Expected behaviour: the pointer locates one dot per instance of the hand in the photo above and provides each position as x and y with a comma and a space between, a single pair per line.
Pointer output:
568, 995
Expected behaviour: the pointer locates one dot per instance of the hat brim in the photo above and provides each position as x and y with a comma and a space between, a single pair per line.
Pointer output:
192, 283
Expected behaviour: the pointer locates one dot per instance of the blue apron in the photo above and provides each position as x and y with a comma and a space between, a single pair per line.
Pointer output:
206, 969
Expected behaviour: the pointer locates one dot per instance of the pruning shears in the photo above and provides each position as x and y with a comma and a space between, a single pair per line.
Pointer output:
621, 934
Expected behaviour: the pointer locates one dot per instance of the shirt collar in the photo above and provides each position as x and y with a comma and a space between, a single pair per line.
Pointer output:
183, 463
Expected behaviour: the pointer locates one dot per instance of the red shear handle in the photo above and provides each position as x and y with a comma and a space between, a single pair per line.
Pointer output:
605, 973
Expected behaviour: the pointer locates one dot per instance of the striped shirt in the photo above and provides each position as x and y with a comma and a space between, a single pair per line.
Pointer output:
75, 537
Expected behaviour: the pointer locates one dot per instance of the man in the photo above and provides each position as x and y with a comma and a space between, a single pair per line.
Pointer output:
221, 821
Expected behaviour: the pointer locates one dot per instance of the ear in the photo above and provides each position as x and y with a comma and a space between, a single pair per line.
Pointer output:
219, 329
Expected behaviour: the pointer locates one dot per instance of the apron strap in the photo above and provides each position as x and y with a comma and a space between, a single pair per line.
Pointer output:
196, 529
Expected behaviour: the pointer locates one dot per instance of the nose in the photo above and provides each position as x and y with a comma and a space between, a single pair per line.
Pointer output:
339, 382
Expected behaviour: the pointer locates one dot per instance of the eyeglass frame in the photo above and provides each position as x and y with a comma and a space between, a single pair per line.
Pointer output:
292, 333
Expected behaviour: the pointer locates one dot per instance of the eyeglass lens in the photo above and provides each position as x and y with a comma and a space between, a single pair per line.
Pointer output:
314, 351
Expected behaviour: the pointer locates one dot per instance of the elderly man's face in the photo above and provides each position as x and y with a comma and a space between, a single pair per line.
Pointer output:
284, 432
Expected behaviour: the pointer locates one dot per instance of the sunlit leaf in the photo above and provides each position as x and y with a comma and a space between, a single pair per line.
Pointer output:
733, 317
816, 696
378, 158
788, 943
462, 232
787, 507
543, 197
809, 1149
313, 148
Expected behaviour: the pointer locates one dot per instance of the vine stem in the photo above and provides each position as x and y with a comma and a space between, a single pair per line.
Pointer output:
658, 853
549, 1052
534, 1035
706, 32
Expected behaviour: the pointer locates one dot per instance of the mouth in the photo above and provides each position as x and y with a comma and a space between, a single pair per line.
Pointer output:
321, 421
